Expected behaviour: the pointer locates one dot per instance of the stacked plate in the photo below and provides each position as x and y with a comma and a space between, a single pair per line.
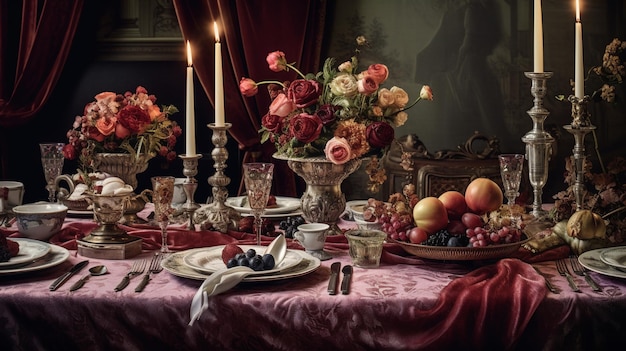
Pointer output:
33, 255
607, 261
201, 262
285, 206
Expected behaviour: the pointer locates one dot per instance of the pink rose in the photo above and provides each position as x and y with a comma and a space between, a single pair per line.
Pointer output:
276, 61
337, 151
282, 106
304, 92
248, 87
379, 134
378, 72
272, 123
106, 126
367, 85
106, 96
304, 127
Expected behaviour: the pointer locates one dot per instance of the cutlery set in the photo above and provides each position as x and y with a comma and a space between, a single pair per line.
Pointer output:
334, 278
137, 268
577, 268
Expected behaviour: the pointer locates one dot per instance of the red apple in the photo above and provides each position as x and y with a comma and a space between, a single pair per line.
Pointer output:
417, 235
454, 202
430, 214
483, 195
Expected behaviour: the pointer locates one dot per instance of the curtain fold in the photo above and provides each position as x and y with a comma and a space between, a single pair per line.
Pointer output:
33, 52
249, 30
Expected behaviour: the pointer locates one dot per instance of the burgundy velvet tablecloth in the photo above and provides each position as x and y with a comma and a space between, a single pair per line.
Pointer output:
405, 304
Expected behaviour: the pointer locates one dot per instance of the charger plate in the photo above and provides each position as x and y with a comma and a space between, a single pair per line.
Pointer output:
175, 265
592, 261
56, 256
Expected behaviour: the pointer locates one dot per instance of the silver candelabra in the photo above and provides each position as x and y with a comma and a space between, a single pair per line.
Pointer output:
538, 141
190, 170
217, 214
580, 127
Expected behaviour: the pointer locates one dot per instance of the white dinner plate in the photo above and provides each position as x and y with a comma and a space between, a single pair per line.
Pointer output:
56, 256
209, 259
614, 256
30, 250
175, 265
592, 261
283, 205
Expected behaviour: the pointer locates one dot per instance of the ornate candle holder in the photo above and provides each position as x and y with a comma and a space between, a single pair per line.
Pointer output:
190, 169
217, 214
538, 142
580, 127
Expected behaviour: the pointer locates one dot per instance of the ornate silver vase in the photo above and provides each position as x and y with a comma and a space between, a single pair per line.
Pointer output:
125, 166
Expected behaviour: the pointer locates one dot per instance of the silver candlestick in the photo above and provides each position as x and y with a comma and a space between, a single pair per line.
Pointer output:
218, 215
580, 127
538, 142
190, 170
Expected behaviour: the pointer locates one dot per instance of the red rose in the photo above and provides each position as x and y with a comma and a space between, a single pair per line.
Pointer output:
94, 133
306, 128
133, 118
272, 123
326, 114
379, 134
69, 152
304, 92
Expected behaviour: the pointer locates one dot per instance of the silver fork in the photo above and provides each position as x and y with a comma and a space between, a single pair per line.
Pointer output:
155, 267
137, 268
580, 270
563, 271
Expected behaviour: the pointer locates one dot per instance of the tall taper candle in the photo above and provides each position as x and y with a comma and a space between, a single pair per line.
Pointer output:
219, 81
579, 70
190, 121
538, 39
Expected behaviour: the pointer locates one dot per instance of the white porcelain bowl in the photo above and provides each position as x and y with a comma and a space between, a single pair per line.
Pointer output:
366, 225
40, 221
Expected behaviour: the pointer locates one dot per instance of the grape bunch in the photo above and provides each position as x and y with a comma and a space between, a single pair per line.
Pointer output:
485, 236
396, 225
252, 260
290, 225
445, 238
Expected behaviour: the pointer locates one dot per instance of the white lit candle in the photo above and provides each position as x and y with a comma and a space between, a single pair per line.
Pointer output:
579, 70
538, 39
219, 80
190, 123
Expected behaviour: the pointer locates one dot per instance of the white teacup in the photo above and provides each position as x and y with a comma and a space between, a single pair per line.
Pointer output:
179, 197
312, 236
15, 194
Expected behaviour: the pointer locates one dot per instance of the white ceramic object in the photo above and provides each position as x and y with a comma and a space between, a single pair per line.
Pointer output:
16, 192
179, 192
40, 221
367, 225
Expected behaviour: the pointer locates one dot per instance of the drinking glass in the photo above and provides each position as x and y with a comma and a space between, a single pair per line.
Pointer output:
258, 180
511, 166
52, 162
162, 194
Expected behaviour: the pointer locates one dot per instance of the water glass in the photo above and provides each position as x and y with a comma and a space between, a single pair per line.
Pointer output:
258, 180
52, 162
162, 195
511, 166
366, 247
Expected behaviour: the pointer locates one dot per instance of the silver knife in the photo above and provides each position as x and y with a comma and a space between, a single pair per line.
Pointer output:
345, 283
334, 278
62, 279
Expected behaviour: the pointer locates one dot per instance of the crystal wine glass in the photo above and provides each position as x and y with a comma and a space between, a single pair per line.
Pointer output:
52, 162
511, 166
258, 180
162, 194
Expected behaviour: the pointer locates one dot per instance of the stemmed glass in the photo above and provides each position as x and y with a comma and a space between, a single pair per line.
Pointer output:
162, 194
52, 162
511, 166
258, 180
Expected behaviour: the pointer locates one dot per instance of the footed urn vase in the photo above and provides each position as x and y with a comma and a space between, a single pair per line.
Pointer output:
322, 201
125, 166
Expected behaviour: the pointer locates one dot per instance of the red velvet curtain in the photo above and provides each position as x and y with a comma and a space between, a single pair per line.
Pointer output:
249, 30
32, 55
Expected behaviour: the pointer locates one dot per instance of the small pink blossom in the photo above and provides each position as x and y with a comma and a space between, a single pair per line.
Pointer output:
276, 61
248, 87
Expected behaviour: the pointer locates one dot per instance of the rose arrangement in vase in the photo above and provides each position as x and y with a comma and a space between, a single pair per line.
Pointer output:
129, 123
340, 113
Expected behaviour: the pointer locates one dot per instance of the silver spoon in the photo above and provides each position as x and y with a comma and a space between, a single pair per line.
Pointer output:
93, 271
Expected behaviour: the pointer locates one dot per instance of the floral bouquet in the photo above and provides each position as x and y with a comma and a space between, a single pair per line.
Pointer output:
130, 123
340, 113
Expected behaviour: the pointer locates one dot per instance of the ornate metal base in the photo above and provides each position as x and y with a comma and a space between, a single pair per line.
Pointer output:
130, 247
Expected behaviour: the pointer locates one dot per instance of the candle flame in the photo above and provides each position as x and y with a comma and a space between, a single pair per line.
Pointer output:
189, 62
217, 33
577, 11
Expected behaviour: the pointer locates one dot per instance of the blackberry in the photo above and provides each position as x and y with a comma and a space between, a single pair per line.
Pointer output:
439, 238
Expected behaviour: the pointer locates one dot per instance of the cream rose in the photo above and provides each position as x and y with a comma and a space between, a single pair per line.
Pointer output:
344, 85
401, 98
385, 98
